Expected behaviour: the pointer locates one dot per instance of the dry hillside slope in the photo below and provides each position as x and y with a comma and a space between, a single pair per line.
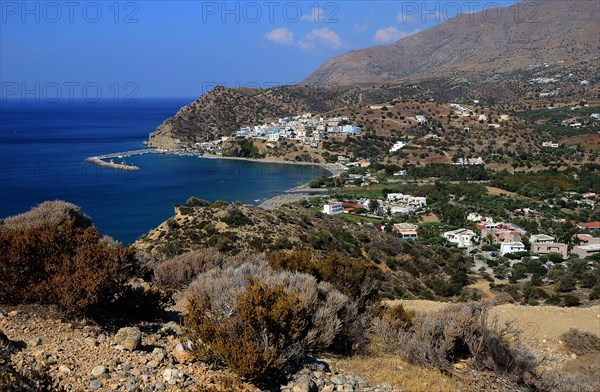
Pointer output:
525, 34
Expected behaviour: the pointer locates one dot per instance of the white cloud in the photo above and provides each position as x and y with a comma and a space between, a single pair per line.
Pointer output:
320, 37
391, 34
317, 38
281, 36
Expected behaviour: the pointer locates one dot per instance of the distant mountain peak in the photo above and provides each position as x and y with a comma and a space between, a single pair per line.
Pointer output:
515, 37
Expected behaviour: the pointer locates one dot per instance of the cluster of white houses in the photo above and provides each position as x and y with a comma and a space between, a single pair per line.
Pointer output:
507, 235
304, 128
510, 237
396, 203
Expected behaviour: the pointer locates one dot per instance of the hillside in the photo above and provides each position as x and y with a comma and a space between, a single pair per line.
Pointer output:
518, 37
222, 111
404, 269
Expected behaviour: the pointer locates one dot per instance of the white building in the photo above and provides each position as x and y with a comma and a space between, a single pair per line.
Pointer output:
366, 204
542, 238
511, 247
550, 144
475, 217
400, 198
397, 146
406, 230
464, 238
400, 209
333, 208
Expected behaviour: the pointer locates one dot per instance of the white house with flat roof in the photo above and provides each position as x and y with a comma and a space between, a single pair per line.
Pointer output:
333, 208
542, 238
511, 247
583, 251
464, 238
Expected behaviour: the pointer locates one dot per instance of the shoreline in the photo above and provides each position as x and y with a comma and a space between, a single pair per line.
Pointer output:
297, 193
292, 195
333, 169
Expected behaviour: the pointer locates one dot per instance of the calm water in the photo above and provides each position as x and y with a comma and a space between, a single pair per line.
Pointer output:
42, 147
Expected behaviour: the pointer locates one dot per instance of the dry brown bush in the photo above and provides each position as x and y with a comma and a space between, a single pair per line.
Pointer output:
260, 339
178, 272
580, 342
52, 213
336, 324
566, 381
354, 277
461, 332
65, 265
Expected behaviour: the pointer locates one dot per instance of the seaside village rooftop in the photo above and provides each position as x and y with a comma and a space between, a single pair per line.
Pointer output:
305, 128
508, 237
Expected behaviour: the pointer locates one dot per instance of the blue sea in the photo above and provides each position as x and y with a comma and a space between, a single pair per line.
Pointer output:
43, 145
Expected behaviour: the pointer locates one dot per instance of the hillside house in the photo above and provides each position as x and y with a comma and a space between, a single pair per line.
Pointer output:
545, 248
583, 251
397, 146
511, 247
333, 208
400, 198
541, 238
586, 239
464, 238
589, 225
406, 230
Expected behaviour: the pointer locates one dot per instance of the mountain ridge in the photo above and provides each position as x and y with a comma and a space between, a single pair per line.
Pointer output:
556, 31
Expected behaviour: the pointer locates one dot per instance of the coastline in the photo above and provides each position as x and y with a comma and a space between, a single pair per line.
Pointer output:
297, 193
333, 169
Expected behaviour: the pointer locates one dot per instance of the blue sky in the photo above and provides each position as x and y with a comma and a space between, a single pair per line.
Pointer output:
183, 48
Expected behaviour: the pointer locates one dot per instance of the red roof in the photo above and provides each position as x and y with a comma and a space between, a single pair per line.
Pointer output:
351, 205
589, 225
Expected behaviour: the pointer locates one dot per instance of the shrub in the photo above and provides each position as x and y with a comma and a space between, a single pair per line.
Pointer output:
178, 272
354, 277
460, 332
580, 342
235, 217
49, 213
66, 265
566, 381
262, 337
395, 315
220, 315
571, 300
566, 282
196, 202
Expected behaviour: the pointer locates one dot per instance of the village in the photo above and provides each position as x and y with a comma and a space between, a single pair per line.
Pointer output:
497, 246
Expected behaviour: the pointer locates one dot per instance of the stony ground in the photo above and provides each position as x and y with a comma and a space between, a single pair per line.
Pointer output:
82, 357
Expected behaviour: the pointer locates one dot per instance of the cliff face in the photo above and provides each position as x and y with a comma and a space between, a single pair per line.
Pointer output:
528, 33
